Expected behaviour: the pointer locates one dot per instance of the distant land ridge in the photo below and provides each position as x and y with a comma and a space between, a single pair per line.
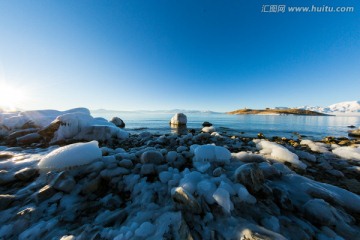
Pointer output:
288, 111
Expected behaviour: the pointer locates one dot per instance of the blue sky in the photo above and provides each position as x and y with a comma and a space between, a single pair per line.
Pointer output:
217, 55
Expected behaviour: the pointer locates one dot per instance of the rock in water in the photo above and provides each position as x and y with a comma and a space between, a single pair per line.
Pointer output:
206, 124
354, 133
179, 119
71, 156
118, 122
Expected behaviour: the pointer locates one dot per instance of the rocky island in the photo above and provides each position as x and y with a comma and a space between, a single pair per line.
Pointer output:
286, 111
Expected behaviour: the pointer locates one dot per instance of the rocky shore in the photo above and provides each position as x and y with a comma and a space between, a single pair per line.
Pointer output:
198, 184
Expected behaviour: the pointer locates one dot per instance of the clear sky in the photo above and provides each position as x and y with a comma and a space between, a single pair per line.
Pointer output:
207, 55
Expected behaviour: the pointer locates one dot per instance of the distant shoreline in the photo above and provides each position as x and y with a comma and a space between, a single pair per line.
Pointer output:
292, 111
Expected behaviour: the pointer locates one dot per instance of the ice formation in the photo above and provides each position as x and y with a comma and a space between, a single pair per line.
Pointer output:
278, 152
315, 147
206, 154
71, 156
348, 152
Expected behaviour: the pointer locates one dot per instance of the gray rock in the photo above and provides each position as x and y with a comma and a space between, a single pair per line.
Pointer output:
185, 200
91, 186
152, 156
6, 200
29, 138
126, 163
147, 169
63, 182
111, 173
45, 193
251, 176
26, 173
206, 124
171, 156
118, 122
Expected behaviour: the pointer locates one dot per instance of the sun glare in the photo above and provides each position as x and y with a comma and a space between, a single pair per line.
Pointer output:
10, 97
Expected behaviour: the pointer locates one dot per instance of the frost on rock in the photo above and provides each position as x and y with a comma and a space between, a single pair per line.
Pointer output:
315, 147
204, 155
71, 155
84, 127
348, 152
278, 152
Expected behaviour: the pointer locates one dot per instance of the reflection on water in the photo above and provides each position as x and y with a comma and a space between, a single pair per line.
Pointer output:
269, 125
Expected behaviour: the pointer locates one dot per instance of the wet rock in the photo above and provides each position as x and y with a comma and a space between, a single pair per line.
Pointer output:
206, 124
178, 119
154, 157
6, 200
185, 200
118, 122
26, 173
251, 176
354, 133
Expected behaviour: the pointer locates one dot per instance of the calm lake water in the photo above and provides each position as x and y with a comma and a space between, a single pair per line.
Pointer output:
313, 127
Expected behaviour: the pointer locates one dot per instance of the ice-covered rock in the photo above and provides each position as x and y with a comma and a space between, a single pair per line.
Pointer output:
72, 155
206, 154
348, 152
315, 146
278, 152
222, 197
208, 129
179, 119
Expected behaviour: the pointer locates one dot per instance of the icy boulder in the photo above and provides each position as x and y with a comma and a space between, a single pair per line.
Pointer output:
278, 152
206, 154
179, 119
314, 146
348, 152
71, 156
81, 126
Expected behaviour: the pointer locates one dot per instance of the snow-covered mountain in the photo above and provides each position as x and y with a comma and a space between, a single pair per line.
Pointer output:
351, 107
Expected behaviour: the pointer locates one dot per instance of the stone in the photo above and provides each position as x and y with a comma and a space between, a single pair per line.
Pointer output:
118, 122
29, 138
6, 200
126, 163
354, 133
208, 129
147, 169
45, 193
251, 176
63, 182
26, 173
178, 119
185, 200
206, 124
152, 156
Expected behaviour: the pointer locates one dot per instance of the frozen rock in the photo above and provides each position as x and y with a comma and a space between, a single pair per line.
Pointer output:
126, 163
178, 119
206, 188
279, 153
154, 157
208, 129
72, 155
206, 154
315, 146
145, 230
348, 152
147, 169
26, 173
185, 200
63, 182
251, 176
222, 197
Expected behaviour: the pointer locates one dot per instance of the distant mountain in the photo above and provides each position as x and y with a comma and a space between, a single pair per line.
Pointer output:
351, 107
172, 111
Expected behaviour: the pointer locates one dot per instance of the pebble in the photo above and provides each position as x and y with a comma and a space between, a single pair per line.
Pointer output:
147, 169
126, 163
154, 157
